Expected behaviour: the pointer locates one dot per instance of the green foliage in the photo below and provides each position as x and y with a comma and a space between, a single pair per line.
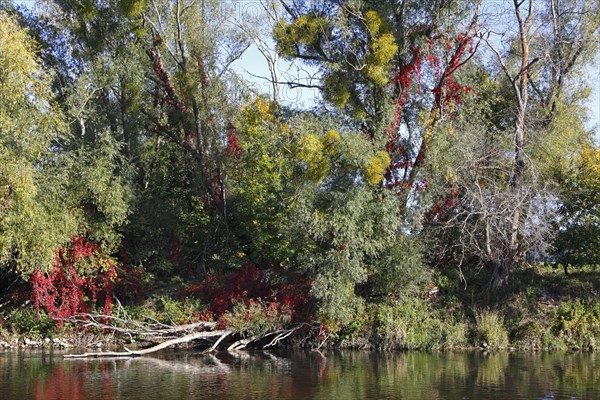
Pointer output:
261, 184
29, 121
578, 239
411, 324
185, 311
132, 8
35, 325
578, 324
400, 268
336, 90
255, 317
490, 330
356, 237
93, 181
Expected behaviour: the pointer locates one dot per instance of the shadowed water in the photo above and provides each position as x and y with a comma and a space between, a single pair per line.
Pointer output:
302, 375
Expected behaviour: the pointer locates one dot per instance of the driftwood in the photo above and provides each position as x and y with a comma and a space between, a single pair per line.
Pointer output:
277, 337
163, 345
170, 335
136, 328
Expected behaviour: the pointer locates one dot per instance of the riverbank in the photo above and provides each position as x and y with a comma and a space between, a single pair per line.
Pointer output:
542, 309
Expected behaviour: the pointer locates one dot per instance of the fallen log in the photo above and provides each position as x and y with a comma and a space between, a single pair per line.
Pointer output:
134, 327
163, 345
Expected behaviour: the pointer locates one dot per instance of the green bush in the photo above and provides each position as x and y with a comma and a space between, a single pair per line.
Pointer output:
578, 324
455, 334
355, 334
166, 310
256, 317
490, 330
29, 322
408, 324
183, 311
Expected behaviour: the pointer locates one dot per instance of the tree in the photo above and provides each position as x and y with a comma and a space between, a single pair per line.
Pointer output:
29, 123
191, 47
540, 71
570, 45
389, 68
578, 239
470, 207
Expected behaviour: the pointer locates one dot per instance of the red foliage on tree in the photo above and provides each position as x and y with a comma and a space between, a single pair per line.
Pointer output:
233, 148
442, 206
406, 157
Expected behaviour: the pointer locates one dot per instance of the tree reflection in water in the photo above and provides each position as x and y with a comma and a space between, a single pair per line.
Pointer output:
302, 375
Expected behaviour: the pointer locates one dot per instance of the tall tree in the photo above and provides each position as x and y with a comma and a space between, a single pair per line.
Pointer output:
190, 46
32, 221
504, 197
390, 67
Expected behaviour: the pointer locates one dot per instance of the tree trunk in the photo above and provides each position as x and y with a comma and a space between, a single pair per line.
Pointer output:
521, 87
500, 274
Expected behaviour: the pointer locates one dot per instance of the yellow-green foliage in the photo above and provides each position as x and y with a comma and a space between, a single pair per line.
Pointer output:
373, 22
382, 48
590, 167
331, 141
336, 90
308, 27
132, 8
28, 123
255, 115
259, 178
311, 151
376, 167
555, 148
304, 30
490, 329
412, 324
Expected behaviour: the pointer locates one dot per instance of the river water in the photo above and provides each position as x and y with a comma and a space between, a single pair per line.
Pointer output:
301, 375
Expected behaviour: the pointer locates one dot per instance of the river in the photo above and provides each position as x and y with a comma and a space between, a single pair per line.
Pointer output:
301, 375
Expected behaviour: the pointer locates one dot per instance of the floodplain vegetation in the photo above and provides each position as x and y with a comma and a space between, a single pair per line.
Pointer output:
440, 191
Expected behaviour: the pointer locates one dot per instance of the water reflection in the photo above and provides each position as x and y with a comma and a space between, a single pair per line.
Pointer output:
302, 375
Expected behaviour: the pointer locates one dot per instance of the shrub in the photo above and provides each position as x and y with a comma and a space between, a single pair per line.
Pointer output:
82, 274
220, 292
33, 324
490, 329
455, 334
408, 325
578, 324
256, 317
185, 311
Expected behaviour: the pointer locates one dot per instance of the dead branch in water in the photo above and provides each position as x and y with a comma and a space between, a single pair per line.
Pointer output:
163, 345
136, 328
171, 335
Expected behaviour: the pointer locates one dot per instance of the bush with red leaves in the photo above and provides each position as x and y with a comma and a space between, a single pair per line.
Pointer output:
221, 292
82, 276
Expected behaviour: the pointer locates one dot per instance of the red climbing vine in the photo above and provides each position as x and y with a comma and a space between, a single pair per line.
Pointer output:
444, 55
82, 277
